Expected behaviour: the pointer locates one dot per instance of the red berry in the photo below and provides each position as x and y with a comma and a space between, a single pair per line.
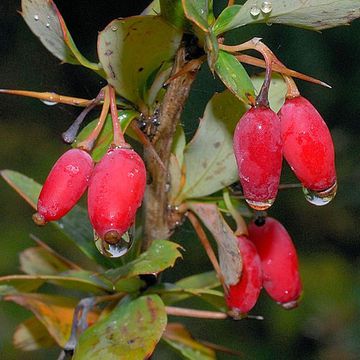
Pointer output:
258, 152
242, 297
115, 193
281, 278
64, 186
308, 147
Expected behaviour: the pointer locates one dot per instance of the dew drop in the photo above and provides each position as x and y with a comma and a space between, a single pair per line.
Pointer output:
255, 11
289, 305
49, 102
320, 198
266, 7
114, 28
36, 17
115, 250
47, 25
260, 205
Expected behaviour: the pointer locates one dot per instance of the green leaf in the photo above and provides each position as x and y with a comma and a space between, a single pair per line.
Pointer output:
228, 248
75, 225
46, 22
310, 14
178, 144
209, 159
130, 332
152, 9
212, 50
172, 11
161, 255
32, 335
54, 312
78, 280
180, 339
197, 11
106, 136
234, 76
131, 49
39, 261
277, 89
203, 280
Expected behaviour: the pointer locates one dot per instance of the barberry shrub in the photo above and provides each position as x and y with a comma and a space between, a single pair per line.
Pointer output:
149, 179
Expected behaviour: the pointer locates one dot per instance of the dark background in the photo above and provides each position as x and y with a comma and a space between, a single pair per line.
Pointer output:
326, 325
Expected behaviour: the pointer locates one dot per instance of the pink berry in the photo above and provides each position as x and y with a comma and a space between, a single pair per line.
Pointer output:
258, 152
242, 297
281, 278
308, 147
115, 193
64, 186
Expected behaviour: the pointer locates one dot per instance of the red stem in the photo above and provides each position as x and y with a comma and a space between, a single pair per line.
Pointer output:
118, 134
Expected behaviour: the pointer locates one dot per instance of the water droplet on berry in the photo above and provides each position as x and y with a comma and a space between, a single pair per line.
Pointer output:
266, 7
260, 205
114, 250
289, 305
36, 17
254, 11
320, 198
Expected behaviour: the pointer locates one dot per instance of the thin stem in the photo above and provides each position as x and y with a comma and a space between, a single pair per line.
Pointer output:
146, 143
200, 314
231, 2
70, 134
292, 90
118, 134
207, 246
88, 143
279, 68
49, 96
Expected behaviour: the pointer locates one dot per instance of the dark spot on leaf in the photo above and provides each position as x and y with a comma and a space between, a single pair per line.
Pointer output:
152, 309
217, 144
107, 43
140, 69
108, 52
112, 72
131, 341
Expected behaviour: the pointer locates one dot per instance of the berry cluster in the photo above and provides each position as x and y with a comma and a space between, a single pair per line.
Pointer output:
299, 133
269, 261
116, 188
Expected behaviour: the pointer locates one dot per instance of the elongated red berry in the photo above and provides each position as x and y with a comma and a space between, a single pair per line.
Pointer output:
258, 152
309, 149
115, 193
64, 186
281, 278
243, 296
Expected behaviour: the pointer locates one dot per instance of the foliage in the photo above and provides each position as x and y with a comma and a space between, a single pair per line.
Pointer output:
118, 308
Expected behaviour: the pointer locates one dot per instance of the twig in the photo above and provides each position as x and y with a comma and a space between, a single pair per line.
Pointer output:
200, 314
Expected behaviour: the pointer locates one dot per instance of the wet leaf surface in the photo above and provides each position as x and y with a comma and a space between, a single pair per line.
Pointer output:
309, 14
131, 49
209, 159
197, 11
46, 22
32, 335
229, 253
130, 332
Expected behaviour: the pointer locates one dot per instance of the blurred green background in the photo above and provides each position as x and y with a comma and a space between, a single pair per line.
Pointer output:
327, 324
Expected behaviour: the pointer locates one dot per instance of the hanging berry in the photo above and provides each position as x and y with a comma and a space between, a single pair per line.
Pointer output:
115, 193
281, 278
242, 297
309, 149
64, 186
258, 152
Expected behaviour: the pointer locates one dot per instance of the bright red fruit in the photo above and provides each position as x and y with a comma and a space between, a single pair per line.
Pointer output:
242, 297
115, 193
258, 152
308, 146
281, 278
64, 186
